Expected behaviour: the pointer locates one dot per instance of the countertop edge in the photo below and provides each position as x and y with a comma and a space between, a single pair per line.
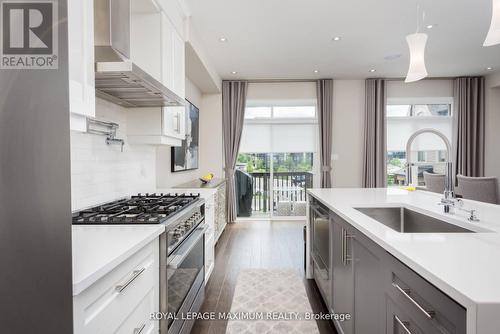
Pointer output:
197, 184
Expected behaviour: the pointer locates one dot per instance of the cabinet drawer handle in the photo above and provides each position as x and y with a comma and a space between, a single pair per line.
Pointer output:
406, 293
139, 330
135, 274
345, 256
403, 324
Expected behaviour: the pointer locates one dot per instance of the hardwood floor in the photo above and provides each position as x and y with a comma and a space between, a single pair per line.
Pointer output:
255, 244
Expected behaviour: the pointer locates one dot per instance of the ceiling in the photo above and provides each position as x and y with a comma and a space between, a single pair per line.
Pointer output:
289, 39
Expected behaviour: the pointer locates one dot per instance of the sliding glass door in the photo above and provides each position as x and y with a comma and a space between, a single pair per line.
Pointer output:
276, 162
292, 175
273, 184
253, 186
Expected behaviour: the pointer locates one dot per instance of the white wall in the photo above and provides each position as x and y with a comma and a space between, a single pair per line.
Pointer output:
101, 173
492, 155
193, 93
348, 123
211, 149
419, 89
270, 92
165, 178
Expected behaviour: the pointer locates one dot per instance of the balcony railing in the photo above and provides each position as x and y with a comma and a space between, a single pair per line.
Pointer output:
287, 187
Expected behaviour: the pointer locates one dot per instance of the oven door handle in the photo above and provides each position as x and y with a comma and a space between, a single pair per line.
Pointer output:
185, 249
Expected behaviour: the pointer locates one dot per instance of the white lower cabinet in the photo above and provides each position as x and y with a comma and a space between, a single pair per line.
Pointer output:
122, 301
209, 236
138, 321
220, 210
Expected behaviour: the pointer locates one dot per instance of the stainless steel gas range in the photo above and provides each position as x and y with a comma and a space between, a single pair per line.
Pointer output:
182, 248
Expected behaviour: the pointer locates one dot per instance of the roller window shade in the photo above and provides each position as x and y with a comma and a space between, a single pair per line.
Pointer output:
400, 130
282, 138
272, 133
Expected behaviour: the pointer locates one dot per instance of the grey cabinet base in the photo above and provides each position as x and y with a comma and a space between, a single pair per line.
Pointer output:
380, 292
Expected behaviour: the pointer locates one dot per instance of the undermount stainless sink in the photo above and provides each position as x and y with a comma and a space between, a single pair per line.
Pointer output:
404, 220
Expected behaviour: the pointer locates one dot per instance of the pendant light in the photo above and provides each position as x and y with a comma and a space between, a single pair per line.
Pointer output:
416, 44
493, 36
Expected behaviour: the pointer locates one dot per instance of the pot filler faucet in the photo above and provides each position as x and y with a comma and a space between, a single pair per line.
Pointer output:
449, 200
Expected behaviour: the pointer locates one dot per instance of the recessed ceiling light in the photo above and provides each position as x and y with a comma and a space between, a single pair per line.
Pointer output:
233, 72
316, 71
222, 39
430, 26
373, 70
337, 38
489, 68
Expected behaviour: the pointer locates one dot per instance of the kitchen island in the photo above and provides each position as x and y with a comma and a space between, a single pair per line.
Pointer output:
463, 267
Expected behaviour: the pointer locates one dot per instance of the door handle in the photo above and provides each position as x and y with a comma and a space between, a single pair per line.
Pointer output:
135, 274
406, 293
176, 122
345, 257
139, 329
403, 324
319, 211
185, 249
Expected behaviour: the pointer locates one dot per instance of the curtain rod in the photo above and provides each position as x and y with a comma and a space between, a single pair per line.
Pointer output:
314, 80
402, 79
274, 80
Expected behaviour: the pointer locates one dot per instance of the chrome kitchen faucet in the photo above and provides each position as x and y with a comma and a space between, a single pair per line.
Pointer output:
449, 199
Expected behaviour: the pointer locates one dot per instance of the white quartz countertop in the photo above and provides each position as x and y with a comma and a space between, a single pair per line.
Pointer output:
466, 266
99, 249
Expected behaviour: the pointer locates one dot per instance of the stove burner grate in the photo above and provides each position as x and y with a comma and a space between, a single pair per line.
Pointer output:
139, 209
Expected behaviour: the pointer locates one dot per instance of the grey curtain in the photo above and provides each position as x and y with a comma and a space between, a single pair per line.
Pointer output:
324, 91
469, 134
234, 94
374, 148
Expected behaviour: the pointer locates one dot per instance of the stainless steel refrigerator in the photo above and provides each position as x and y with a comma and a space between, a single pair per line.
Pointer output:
35, 185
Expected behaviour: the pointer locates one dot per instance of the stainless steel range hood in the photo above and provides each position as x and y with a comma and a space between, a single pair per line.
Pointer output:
117, 78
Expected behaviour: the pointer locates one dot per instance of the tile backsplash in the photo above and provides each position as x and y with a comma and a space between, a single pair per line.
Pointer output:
100, 172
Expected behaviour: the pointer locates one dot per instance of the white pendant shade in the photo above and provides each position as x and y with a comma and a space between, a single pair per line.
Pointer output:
493, 36
417, 70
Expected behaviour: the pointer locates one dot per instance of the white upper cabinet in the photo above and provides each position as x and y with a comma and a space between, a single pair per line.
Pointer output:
179, 86
159, 126
145, 39
167, 51
156, 46
81, 62
173, 61
173, 76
